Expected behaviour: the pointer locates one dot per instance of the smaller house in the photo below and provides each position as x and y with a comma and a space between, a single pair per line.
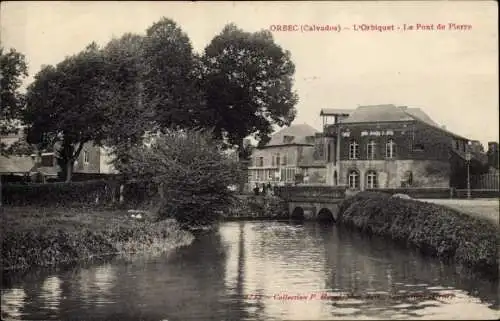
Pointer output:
294, 154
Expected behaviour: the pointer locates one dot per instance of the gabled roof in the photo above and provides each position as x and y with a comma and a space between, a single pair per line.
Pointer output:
299, 133
15, 164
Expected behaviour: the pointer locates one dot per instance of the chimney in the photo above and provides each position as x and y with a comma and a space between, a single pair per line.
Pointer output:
403, 107
443, 127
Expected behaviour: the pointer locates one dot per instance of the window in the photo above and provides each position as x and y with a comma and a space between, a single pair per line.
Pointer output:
85, 157
370, 150
371, 179
284, 160
328, 152
270, 175
261, 161
418, 147
278, 159
353, 179
273, 160
390, 149
353, 150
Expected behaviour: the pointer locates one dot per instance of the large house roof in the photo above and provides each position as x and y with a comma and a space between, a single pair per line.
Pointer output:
296, 135
15, 164
392, 113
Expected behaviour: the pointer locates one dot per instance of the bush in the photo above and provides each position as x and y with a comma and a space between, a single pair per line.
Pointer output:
434, 229
191, 172
88, 193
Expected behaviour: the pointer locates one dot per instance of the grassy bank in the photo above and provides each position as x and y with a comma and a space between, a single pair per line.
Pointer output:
434, 229
34, 236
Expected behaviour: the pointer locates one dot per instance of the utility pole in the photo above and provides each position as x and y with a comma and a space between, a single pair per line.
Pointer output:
467, 159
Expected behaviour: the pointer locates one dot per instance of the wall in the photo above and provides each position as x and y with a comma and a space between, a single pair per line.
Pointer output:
317, 175
104, 165
436, 144
94, 159
391, 173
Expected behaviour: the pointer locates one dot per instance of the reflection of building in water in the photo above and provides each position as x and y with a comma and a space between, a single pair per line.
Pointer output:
97, 283
51, 292
268, 252
12, 303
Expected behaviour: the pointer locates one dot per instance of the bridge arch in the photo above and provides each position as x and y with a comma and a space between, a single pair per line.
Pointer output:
298, 213
326, 216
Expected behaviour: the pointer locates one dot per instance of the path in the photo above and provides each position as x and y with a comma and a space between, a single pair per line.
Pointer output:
484, 208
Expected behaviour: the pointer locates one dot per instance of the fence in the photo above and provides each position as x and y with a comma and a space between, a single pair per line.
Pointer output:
488, 181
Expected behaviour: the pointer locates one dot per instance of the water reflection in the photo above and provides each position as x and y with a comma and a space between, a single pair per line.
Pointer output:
12, 303
257, 271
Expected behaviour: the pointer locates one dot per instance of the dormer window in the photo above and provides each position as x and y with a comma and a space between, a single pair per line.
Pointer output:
310, 139
288, 139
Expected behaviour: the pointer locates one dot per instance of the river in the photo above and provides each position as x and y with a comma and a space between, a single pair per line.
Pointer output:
257, 271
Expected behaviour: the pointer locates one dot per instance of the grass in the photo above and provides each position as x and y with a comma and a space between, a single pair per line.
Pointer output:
488, 209
34, 236
436, 230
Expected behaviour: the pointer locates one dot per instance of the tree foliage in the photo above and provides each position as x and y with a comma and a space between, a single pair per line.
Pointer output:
13, 69
192, 171
172, 77
68, 105
130, 116
248, 84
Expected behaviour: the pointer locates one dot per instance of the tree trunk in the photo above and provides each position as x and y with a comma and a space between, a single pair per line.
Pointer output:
69, 170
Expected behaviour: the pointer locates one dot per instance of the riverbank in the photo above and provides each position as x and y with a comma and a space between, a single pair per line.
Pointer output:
47, 236
434, 229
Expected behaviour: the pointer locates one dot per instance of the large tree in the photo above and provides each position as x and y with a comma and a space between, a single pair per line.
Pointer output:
13, 69
131, 116
172, 77
248, 85
68, 105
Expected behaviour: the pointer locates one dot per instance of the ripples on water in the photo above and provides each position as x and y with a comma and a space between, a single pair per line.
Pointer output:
257, 271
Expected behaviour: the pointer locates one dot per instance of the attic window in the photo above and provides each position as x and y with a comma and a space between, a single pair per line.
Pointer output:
288, 139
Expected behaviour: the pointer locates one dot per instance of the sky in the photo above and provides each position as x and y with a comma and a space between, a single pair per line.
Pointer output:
450, 74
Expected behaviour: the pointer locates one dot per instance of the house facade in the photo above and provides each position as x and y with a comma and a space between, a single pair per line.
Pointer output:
387, 146
293, 154
92, 159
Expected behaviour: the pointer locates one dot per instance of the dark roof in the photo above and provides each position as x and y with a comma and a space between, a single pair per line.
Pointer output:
335, 111
15, 164
298, 132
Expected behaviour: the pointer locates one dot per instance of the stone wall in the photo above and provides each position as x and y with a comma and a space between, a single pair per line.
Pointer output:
316, 175
390, 173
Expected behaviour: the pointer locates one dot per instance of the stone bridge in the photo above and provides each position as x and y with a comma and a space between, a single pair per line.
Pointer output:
312, 202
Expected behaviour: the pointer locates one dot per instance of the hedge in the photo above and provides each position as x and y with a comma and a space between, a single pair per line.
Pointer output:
434, 229
84, 193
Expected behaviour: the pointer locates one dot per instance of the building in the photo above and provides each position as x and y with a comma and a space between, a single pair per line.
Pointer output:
388, 146
92, 159
293, 154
